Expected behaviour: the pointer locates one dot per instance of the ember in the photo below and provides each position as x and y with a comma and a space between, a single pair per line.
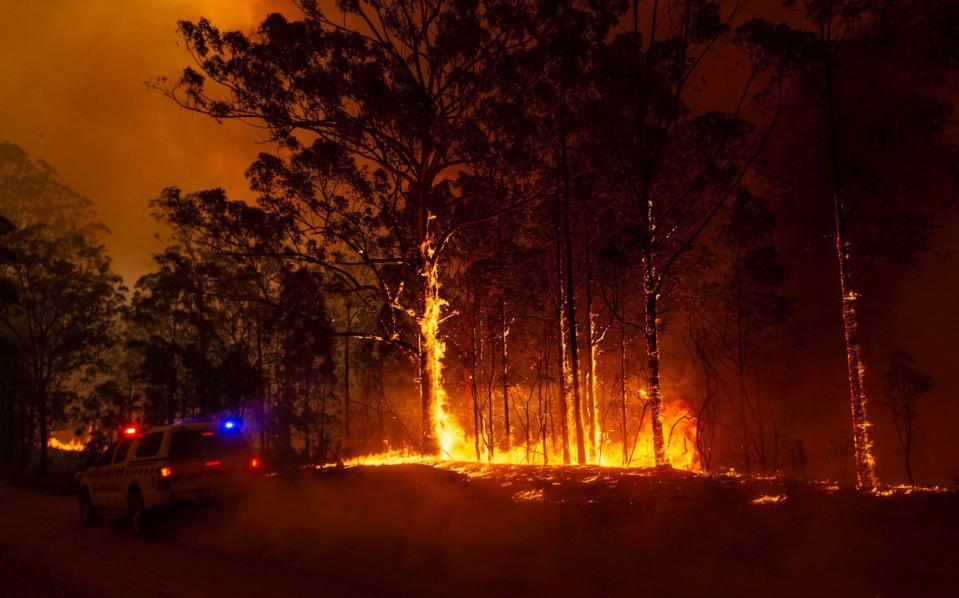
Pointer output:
768, 499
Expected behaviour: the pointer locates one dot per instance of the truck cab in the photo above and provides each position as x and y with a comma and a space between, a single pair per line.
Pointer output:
186, 462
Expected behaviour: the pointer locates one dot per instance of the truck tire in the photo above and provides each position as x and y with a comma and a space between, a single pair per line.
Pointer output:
137, 514
88, 513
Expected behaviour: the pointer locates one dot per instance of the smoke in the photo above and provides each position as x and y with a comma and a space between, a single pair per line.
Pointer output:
583, 531
72, 75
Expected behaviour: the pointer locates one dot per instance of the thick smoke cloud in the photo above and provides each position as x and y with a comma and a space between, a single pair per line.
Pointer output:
72, 91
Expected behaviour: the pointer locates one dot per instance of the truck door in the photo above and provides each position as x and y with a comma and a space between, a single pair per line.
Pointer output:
112, 484
97, 479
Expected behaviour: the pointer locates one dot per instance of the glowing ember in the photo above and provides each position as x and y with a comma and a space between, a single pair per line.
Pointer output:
905, 489
535, 495
766, 499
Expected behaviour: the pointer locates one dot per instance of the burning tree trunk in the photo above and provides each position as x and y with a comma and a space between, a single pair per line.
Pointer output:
865, 462
862, 444
652, 361
564, 376
591, 342
570, 305
563, 345
591, 407
622, 391
436, 420
346, 376
504, 333
477, 428
544, 405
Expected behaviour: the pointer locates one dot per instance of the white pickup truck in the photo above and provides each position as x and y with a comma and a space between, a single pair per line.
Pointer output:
165, 465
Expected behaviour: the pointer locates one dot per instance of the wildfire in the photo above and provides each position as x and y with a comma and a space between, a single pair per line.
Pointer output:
904, 489
452, 443
533, 495
767, 499
447, 431
74, 445
680, 433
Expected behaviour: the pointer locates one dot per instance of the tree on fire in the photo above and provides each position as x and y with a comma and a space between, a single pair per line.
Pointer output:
570, 36
878, 136
376, 113
539, 206
679, 166
393, 128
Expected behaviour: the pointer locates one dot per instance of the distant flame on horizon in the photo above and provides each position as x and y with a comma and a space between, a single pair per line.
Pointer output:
74, 445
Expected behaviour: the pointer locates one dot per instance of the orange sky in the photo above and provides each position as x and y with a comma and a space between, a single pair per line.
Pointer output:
72, 92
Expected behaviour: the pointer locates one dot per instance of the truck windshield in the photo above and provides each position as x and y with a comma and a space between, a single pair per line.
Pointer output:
200, 444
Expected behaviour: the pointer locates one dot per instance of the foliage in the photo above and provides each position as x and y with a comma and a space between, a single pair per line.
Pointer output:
66, 298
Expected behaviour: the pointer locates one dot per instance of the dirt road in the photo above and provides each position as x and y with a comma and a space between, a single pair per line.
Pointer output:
44, 551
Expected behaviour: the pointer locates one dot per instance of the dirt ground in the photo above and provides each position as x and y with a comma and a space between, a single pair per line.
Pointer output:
413, 530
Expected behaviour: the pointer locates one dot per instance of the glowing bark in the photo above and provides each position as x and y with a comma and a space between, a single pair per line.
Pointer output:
472, 380
652, 365
591, 404
504, 356
622, 392
865, 462
442, 434
569, 301
563, 347
564, 386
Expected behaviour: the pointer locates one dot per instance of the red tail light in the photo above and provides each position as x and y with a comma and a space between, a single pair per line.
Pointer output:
165, 480
255, 463
212, 463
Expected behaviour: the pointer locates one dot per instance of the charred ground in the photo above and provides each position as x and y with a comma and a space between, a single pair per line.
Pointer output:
507, 530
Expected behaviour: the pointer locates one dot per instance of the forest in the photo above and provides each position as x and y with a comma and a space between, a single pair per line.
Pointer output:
513, 231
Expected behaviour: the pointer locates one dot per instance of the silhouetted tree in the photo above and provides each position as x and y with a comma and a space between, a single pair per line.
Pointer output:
10, 403
67, 298
741, 319
904, 386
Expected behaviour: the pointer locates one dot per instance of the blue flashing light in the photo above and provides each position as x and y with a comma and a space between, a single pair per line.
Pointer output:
230, 425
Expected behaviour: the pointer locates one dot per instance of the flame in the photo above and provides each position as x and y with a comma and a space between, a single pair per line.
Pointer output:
905, 489
74, 445
449, 434
532, 495
766, 499
457, 447
454, 444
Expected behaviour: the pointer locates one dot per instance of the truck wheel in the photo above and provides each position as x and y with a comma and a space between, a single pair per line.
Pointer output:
137, 516
88, 514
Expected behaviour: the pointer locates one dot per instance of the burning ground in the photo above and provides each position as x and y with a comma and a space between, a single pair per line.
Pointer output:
466, 529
